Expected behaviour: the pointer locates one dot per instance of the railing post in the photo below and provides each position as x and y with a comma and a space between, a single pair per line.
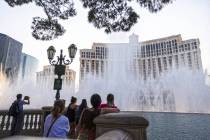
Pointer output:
129, 122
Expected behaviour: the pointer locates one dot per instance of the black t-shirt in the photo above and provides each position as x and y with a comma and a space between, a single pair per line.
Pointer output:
71, 114
88, 116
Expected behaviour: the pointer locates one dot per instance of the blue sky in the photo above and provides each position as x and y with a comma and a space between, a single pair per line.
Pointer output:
190, 18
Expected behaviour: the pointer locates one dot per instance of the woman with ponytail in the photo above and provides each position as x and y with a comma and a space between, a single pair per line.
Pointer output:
56, 124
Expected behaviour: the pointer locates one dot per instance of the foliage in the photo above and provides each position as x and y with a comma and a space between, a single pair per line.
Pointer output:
112, 15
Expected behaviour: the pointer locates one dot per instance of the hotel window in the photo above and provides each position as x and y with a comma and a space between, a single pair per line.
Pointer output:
189, 59
170, 60
154, 68
92, 55
87, 66
143, 51
87, 54
181, 48
176, 49
182, 58
188, 46
83, 54
102, 67
185, 47
149, 66
92, 65
176, 61
97, 66
165, 63
159, 65
195, 45
196, 59
153, 49
169, 49
175, 43
147, 51
144, 70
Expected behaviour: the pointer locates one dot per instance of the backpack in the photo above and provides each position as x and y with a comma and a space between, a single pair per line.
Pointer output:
14, 109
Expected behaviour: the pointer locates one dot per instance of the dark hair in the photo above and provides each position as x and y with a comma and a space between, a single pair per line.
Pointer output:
19, 96
82, 106
59, 106
95, 100
73, 100
110, 98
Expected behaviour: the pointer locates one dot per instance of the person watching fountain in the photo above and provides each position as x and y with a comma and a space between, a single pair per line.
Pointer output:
16, 110
110, 102
71, 114
56, 124
86, 127
80, 109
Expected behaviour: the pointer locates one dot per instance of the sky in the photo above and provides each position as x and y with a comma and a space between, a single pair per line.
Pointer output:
190, 18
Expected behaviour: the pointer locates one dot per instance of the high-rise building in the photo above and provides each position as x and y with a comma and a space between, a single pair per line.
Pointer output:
28, 66
150, 58
10, 55
45, 78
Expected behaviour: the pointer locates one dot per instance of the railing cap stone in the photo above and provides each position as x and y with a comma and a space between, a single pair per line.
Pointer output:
122, 118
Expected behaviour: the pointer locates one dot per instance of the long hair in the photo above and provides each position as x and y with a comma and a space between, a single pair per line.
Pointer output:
83, 105
58, 108
110, 98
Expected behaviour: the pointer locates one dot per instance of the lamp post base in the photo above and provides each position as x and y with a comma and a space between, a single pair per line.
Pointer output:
57, 96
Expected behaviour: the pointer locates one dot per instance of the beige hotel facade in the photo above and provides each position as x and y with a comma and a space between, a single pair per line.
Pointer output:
45, 78
151, 58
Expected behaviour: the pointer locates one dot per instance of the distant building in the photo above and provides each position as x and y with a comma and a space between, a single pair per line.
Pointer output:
45, 78
150, 58
10, 55
28, 66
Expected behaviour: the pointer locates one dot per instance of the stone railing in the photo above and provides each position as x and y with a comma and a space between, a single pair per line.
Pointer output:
123, 125
32, 123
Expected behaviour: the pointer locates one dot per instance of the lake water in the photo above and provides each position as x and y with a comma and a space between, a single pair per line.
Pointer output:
177, 126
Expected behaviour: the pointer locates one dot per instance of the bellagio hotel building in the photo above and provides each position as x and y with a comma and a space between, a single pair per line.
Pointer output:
151, 58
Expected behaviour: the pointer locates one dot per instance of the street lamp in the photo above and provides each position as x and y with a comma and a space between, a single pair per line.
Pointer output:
60, 65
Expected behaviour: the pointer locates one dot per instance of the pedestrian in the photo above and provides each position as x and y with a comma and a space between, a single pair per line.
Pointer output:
56, 125
71, 115
16, 111
86, 126
110, 102
81, 107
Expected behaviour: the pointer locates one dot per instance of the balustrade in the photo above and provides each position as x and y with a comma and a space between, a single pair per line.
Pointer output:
126, 125
31, 127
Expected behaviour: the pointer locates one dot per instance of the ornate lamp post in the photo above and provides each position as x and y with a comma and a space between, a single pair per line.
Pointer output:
60, 65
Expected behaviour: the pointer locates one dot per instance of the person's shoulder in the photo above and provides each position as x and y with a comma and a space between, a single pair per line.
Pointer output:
63, 117
49, 116
103, 105
63, 120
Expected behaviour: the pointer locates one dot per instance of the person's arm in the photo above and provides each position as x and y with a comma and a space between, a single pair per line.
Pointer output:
26, 102
65, 125
109, 110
